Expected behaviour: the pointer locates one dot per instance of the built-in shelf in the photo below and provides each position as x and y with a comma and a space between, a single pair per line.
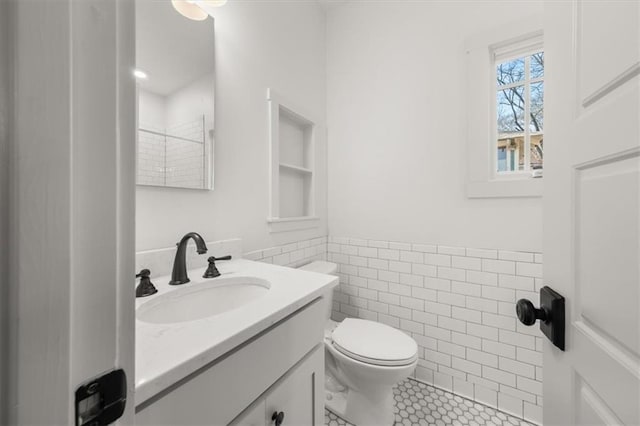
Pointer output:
295, 168
292, 162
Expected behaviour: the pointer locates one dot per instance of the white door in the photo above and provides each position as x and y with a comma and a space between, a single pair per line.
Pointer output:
592, 211
71, 295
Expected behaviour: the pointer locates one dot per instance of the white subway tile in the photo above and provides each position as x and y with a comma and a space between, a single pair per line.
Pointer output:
537, 258
482, 331
399, 266
424, 293
517, 367
466, 288
533, 412
499, 266
463, 388
399, 312
466, 314
390, 276
486, 278
498, 348
424, 374
367, 315
438, 358
452, 324
443, 381
399, 246
412, 303
378, 307
438, 333
528, 356
378, 244
438, 308
518, 256
357, 242
510, 404
437, 259
367, 251
528, 385
367, 272
411, 326
378, 264
451, 299
400, 289
516, 282
499, 321
516, 393
483, 358
389, 320
481, 304
471, 263
466, 366
482, 253
424, 317
426, 341
451, 273
424, 248
499, 376
425, 270
451, 349
412, 280
411, 256
388, 298
437, 284
358, 261
377, 285
454, 251
455, 374
466, 340
497, 293
486, 396
368, 294
389, 254
349, 250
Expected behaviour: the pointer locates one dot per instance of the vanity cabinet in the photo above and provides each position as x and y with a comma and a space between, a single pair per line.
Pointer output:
296, 397
281, 369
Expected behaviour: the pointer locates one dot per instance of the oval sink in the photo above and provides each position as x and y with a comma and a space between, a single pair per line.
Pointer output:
202, 300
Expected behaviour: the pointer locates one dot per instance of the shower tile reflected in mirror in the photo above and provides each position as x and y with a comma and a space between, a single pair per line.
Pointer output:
174, 71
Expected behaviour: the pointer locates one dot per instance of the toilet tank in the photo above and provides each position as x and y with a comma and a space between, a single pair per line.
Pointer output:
328, 268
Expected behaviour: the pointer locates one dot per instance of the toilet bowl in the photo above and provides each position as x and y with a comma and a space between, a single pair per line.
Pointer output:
363, 361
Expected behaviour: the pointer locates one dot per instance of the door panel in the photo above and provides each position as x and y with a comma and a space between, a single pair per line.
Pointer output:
592, 210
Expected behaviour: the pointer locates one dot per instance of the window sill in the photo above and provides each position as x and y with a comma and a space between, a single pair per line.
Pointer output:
277, 224
507, 188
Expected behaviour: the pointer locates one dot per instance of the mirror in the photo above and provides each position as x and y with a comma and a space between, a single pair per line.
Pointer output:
174, 71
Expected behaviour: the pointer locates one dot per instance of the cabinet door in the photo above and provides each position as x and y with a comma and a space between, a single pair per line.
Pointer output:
300, 394
254, 416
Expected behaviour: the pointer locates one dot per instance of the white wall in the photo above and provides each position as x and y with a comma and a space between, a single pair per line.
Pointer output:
396, 116
258, 45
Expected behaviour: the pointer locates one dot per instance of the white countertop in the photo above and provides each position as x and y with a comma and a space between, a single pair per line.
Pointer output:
166, 353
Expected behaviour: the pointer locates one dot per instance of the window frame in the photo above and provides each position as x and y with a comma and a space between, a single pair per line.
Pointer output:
483, 180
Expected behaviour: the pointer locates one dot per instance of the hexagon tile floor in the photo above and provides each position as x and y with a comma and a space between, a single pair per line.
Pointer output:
419, 404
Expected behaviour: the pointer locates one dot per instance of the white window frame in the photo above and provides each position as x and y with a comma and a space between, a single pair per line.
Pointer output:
483, 179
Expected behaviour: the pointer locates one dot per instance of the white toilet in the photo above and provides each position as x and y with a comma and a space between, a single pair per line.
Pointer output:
364, 360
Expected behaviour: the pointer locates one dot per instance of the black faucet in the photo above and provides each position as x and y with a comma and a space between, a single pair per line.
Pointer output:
179, 274
146, 287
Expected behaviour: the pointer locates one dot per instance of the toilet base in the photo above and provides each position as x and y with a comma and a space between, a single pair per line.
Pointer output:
373, 409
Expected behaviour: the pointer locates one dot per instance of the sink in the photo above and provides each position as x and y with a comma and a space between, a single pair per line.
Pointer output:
204, 299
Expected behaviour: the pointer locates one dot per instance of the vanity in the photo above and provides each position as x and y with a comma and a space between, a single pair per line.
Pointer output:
244, 348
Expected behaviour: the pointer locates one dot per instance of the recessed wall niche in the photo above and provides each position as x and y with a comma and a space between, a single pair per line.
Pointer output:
292, 142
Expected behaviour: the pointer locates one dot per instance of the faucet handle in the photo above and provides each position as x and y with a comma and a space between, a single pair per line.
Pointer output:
146, 287
212, 270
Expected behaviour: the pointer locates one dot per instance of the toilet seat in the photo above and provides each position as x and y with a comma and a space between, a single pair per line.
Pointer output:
374, 343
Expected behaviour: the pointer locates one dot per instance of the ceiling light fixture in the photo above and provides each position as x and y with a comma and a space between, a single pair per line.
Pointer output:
194, 9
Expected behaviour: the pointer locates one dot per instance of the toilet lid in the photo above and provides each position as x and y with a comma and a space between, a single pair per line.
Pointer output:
374, 343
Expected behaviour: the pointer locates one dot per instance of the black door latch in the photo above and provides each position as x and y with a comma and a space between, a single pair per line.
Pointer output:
101, 401
550, 314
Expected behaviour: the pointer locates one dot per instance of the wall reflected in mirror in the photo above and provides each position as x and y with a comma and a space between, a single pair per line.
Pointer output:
174, 71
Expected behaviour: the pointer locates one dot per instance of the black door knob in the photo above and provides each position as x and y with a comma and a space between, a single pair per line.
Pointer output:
528, 314
278, 418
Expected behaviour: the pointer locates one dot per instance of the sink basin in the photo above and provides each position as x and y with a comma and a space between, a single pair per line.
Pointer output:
201, 300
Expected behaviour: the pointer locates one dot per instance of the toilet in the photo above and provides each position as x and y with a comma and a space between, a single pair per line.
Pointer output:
363, 361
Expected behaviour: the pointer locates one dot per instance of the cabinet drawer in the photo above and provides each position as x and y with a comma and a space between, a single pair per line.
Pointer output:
221, 390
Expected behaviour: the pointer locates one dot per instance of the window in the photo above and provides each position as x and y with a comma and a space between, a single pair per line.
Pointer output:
503, 98
519, 98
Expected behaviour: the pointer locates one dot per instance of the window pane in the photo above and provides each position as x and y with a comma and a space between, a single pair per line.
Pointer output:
536, 108
537, 65
510, 154
536, 151
510, 72
510, 110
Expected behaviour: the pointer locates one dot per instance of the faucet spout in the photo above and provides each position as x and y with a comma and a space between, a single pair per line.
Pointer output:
179, 274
